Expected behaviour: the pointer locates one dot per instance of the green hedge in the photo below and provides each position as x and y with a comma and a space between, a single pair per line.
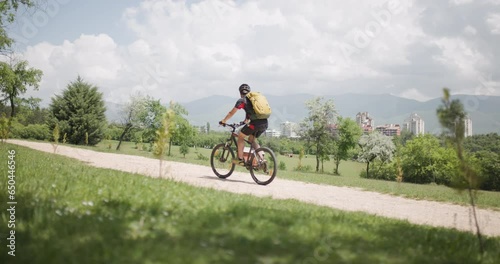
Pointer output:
32, 131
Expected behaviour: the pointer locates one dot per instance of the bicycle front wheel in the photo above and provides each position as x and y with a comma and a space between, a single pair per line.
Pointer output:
221, 161
263, 166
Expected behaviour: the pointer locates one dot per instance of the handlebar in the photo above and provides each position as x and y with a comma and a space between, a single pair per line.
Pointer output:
233, 126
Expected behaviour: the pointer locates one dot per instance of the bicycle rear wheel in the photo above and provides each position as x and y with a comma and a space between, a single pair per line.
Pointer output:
263, 170
221, 161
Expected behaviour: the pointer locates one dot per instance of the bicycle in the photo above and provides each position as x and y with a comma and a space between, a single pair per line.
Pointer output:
260, 162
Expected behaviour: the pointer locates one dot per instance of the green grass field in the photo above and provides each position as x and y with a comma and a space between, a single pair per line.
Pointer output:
349, 171
68, 212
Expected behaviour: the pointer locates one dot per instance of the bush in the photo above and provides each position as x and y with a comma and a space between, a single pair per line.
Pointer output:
425, 161
113, 132
202, 157
282, 165
36, 131
489, 170
184, 149
307, 168
387, 171
4, 127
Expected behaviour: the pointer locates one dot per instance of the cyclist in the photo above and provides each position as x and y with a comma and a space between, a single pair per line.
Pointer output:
253, 125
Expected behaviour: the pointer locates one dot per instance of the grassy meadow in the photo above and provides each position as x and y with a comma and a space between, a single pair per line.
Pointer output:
68, 212
349, 176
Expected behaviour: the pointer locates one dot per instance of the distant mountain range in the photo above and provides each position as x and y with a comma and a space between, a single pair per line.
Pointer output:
484, 111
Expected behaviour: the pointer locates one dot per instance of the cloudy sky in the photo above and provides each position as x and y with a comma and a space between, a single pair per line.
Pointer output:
186, 50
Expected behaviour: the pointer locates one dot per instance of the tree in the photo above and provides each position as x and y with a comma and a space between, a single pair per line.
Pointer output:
490, 170
425, 161
314, 128
347, 137
130, 115
150, 119
184, 149
404, 137
373, 146
29, 111
485, 149
163, 137
182, 132
80, 113
451, 116
14, 80
8, 10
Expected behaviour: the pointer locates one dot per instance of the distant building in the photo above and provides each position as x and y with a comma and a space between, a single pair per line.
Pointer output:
389, 129
289, 129
367, 129
364, 119
467, 127
365, 122
415, 124
272, 133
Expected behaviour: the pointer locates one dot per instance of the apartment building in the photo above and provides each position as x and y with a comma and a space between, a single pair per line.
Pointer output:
389, 129
415, 124
468, 127
365, 122
289, 129
272, 133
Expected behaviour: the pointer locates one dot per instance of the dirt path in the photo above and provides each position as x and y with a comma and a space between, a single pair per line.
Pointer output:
344, 198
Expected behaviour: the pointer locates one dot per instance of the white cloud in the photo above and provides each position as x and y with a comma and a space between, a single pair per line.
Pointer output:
462, 59
493, 22
186, 51
470, 30
461, 2
95, 58
414, 94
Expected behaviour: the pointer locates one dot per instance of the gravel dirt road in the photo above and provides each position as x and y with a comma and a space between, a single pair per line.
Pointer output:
343, 198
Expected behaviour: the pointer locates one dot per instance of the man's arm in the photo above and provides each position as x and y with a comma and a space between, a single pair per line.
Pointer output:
229, 115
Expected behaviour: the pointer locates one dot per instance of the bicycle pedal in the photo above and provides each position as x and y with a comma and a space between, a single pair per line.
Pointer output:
238, 162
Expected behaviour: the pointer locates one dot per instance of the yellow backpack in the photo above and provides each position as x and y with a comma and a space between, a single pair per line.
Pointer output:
260, 105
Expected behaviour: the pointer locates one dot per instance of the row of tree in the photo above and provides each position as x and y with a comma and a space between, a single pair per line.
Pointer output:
79, 116
79, 113
15, 74
422, 159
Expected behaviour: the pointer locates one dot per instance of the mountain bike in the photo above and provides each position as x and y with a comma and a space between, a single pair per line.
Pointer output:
260, 162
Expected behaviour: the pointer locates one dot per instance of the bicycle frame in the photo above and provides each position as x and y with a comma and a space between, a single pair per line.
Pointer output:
261, 162
233, 139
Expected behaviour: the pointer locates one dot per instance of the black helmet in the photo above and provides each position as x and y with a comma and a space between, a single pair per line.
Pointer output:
244, 88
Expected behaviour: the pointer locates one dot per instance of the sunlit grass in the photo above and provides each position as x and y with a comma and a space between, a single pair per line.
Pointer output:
69, 212
349, 176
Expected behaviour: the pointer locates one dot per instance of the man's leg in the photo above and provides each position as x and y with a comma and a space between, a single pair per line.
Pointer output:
241, 144
255, 145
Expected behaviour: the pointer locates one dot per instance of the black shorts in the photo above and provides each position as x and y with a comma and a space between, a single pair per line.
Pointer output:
258, 127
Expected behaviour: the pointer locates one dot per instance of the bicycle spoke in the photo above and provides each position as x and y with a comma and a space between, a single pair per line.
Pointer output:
263, 171
220, 160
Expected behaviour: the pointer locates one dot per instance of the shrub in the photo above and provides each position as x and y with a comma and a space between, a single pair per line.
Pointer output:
282, 165
387, 171
4, 127
36, 131
113, 132
184, 149
489, 170
202, 157
307, 168
425, 161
